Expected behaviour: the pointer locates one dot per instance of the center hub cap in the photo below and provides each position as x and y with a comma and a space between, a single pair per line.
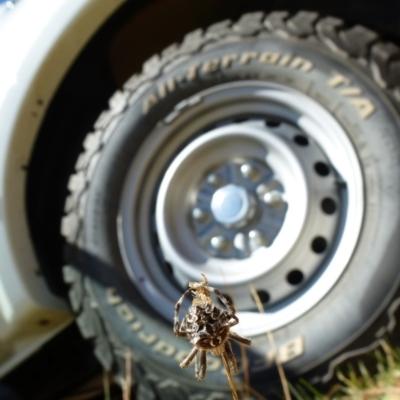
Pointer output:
231, 204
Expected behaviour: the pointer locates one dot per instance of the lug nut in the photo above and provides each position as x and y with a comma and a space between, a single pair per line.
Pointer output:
273, 198
256, 239
249, 172
199, 215
220, 243
266, 187
214, 180
240, 241
268, 193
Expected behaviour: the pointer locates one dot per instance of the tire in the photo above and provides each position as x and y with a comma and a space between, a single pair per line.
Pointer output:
304, 111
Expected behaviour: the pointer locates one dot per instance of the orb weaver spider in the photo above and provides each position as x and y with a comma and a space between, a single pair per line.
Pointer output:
207, 327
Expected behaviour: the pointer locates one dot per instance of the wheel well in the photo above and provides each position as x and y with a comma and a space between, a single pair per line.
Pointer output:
137, 31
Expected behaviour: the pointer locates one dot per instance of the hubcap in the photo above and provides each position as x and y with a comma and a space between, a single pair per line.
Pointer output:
231, 205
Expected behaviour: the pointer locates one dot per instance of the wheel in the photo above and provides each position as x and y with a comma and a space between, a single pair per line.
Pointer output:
263, 152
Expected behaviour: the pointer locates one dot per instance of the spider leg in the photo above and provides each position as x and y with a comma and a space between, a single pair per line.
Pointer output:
202, 367
231, 356
240, 339
176, 313
224, 300
185, 363
235, 322
181, 331
205, 280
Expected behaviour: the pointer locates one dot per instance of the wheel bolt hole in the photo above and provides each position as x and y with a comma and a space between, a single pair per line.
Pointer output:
319, 245
272, 123
301, 140
263, 296
321, 168
328, 206
295, 277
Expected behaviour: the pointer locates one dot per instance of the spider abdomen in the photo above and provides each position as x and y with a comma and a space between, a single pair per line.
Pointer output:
207, 326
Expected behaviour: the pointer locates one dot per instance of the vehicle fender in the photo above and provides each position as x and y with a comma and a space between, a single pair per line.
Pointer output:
40, 40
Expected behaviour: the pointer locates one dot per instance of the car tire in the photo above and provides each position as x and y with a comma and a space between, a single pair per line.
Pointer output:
322, 99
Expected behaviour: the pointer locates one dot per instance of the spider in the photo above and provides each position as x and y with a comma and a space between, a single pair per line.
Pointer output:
207, 327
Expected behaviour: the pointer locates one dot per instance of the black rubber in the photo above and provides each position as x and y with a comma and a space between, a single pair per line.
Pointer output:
358, 311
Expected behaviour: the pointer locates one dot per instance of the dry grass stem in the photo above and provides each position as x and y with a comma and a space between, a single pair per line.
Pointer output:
256, 394
230, 379
245, 366
106, 385
127, 382
243, 354
247, 389
333, 390
388, 351
271, 340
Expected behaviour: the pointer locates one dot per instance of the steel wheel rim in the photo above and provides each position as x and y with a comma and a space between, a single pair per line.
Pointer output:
149, 181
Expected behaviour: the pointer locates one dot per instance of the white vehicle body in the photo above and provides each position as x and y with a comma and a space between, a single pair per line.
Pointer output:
39, 41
